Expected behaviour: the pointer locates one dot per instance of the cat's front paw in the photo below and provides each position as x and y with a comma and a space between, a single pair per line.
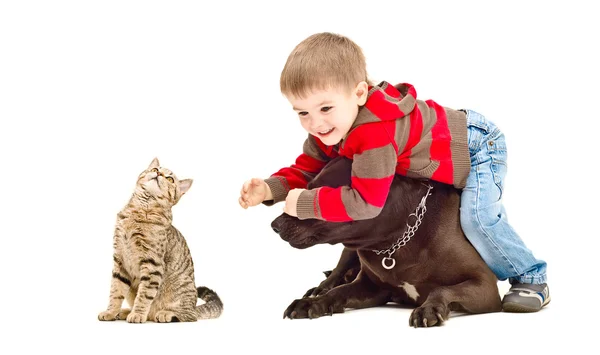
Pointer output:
123, 313
108, 315
136, 318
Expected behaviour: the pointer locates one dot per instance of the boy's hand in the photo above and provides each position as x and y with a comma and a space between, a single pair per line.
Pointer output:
291, 201
254, 191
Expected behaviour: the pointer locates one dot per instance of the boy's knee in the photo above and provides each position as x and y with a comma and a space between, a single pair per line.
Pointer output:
489, 217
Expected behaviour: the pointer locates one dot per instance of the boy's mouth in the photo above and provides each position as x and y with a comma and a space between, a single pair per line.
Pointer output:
326, 133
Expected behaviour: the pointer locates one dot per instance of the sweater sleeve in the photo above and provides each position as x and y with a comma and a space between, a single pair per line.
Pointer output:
375, 156
307, 166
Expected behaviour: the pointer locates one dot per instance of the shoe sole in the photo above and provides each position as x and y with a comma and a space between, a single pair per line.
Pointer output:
519, 308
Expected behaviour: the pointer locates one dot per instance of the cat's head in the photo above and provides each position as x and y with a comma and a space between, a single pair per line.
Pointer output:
162, 184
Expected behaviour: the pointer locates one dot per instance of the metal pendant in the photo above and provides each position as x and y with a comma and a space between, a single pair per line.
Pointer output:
384, 264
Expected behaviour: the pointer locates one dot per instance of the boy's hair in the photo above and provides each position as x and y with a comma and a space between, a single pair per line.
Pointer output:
322, 61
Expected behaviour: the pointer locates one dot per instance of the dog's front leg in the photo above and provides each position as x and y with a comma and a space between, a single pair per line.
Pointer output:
361, 293
472, 296
345, 272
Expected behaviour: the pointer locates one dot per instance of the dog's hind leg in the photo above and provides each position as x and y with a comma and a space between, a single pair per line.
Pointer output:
345, 272
472, 296
361, 293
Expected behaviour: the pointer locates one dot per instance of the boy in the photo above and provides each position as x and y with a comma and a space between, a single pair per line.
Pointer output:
385, 130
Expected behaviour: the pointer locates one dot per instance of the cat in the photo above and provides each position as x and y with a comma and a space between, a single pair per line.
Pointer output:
153, 267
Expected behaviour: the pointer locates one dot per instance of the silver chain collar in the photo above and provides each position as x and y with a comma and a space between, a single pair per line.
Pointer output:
408, 233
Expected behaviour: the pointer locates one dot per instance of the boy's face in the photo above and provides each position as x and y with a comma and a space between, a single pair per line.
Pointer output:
329, 114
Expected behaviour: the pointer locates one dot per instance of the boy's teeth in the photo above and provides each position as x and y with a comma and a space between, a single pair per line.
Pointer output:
327, 131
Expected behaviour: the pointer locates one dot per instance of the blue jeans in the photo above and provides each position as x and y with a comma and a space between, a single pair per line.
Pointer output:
482, 215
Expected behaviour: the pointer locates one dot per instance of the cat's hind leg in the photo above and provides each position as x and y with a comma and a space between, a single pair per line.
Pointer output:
175, 304
165, 316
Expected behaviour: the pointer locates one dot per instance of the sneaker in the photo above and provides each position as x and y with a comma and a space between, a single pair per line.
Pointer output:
526, 298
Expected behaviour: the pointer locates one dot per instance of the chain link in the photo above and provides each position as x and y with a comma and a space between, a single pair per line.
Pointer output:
410, 230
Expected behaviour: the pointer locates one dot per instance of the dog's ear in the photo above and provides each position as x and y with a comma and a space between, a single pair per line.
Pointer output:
335, 174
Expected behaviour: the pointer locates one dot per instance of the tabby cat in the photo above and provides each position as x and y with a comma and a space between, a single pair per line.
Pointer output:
153, 266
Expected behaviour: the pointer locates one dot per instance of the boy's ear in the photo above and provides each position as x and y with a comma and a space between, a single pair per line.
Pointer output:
361, 91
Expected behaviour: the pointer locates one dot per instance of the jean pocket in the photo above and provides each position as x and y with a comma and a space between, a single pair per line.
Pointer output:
498, 166
476, 138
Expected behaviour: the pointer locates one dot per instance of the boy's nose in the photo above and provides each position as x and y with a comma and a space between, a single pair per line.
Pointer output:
317, 125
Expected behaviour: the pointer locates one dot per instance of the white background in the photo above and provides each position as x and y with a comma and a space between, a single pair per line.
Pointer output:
90, 92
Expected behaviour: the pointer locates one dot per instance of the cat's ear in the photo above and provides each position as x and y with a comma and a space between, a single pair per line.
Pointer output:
154, 164
184, 185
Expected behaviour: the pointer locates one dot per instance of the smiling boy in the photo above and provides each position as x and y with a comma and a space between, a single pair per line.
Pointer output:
385, 130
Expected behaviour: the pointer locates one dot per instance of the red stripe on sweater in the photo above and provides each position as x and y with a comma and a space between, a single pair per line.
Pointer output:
393, 92
383, 109
373, 191
332, 198
414, 136
369, 136
293, 174
411, 90
440, 146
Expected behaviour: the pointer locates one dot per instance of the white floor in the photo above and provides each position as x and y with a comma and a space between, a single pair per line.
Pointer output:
252, 321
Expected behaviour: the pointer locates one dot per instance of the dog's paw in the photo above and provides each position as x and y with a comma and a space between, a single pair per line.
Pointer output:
428, 315
315, 291
312, 308
332, 281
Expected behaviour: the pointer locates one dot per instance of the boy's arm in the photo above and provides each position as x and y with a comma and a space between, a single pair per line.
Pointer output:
375, 157
306, 167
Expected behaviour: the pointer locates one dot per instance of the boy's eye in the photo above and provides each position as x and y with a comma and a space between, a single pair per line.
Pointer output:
302, 113
326, 108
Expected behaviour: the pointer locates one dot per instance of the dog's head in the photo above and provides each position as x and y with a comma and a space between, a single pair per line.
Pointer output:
403, 198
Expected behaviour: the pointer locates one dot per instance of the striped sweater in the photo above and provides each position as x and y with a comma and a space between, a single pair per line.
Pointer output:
394, 133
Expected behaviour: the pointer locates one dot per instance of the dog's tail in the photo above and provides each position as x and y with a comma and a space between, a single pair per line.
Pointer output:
213, 306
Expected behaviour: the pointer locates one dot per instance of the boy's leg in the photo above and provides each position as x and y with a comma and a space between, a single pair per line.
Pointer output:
485, 224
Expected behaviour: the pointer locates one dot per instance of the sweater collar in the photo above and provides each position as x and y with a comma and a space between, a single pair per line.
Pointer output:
386, 102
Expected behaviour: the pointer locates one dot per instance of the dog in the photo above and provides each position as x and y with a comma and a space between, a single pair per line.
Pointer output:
414, 253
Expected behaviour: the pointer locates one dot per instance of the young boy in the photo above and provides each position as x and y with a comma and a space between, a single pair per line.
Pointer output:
385, 130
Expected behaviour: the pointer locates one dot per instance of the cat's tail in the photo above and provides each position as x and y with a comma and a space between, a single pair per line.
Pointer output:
213, 306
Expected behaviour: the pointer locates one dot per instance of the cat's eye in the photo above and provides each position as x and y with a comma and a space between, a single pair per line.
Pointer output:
154, 170
171, 180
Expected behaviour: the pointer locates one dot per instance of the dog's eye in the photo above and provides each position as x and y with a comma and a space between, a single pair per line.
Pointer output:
171, 180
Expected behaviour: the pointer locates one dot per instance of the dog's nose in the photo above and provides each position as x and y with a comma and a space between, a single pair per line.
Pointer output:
275, 226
